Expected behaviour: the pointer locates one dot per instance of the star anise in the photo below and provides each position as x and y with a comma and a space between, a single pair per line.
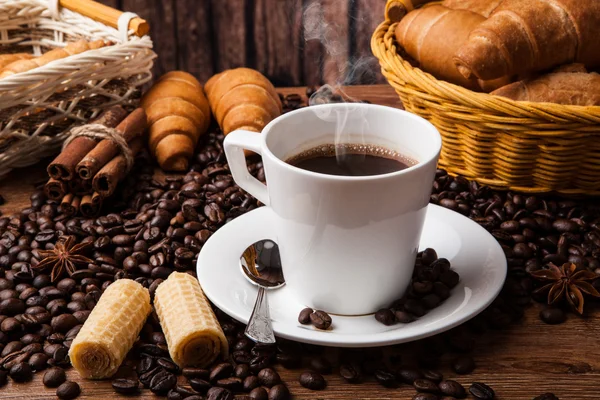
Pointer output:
566, 282
64, 257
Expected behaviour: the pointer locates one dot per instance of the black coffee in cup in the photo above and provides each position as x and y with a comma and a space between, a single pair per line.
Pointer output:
351, 160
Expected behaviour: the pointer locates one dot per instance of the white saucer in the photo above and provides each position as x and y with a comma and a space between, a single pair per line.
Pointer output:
472, 251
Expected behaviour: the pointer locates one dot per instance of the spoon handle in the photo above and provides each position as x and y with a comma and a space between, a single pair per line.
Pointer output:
259, 326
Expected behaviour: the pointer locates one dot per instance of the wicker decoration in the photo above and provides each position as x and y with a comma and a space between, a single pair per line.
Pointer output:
38, 107
523, 146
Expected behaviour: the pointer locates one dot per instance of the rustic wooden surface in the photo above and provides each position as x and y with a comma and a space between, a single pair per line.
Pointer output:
520, 362
207, 36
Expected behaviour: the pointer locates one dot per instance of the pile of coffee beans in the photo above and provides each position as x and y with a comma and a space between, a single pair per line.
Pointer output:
431, 283
158, 225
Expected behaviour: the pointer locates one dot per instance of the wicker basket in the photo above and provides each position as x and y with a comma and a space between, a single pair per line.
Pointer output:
523, 146
38, 107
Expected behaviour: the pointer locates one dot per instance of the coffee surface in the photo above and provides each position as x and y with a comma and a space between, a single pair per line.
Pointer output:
351, 160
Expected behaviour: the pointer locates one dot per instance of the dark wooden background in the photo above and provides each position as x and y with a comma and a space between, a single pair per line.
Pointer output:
292, 42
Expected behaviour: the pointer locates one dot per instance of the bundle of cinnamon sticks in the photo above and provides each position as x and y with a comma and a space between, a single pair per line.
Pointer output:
89, 168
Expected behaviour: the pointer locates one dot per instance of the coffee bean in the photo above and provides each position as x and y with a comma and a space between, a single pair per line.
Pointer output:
449, 278
320, 319
199, 385
312, 380
414, 307
259, 362
258, 394
234, 384
546, 396
385, 316
220, 371
250, 383
403, 317
304, 317
482, 391
21, 372
268, 377
190, 372
463, 365
452, 388
125, 386
321, 365
174, 395
431, 301
350, 372
242, 371
10, 325
553, 316
162, 382
12, 307
68, 390
38, 361
432, 375
408, 376
386, 378
218, 393
168, 365
279, 392
426, 385
54, 377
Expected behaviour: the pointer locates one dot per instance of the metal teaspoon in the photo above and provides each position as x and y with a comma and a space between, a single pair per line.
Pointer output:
261, 264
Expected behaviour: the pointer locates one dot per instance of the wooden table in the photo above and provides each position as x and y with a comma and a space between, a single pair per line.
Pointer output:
521, 362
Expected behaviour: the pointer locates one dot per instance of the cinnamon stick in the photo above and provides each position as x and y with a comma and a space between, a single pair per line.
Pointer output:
131, 127
55, 189
63, 166
70, 204
106, 180
89, 207
79, 187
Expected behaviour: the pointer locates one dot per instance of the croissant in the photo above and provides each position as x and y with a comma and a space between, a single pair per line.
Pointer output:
242, 98
55, 54
524, 36
178, 113
6, 59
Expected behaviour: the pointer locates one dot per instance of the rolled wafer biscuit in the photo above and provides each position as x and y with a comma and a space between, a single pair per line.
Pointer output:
111, 329
193, 333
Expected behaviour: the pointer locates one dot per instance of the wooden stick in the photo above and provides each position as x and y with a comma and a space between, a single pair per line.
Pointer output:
105, 14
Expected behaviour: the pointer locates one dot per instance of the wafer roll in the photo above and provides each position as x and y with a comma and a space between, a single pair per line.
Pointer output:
110, 330
193, 333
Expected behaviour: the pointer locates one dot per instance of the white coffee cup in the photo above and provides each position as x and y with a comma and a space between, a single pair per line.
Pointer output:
348, 244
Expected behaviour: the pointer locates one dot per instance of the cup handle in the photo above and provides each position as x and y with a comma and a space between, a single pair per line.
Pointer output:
235, 143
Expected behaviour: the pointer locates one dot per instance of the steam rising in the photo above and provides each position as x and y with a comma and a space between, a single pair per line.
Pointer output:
316, 27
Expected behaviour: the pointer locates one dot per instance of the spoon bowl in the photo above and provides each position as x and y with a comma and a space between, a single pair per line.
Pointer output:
261, 265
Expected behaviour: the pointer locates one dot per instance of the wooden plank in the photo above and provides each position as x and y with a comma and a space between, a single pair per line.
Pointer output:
195, 38
520, 362
230, 29
367, 14
277, 26
161, 16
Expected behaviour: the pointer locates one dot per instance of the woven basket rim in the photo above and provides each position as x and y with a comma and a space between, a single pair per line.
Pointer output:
458, 93
118, 50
